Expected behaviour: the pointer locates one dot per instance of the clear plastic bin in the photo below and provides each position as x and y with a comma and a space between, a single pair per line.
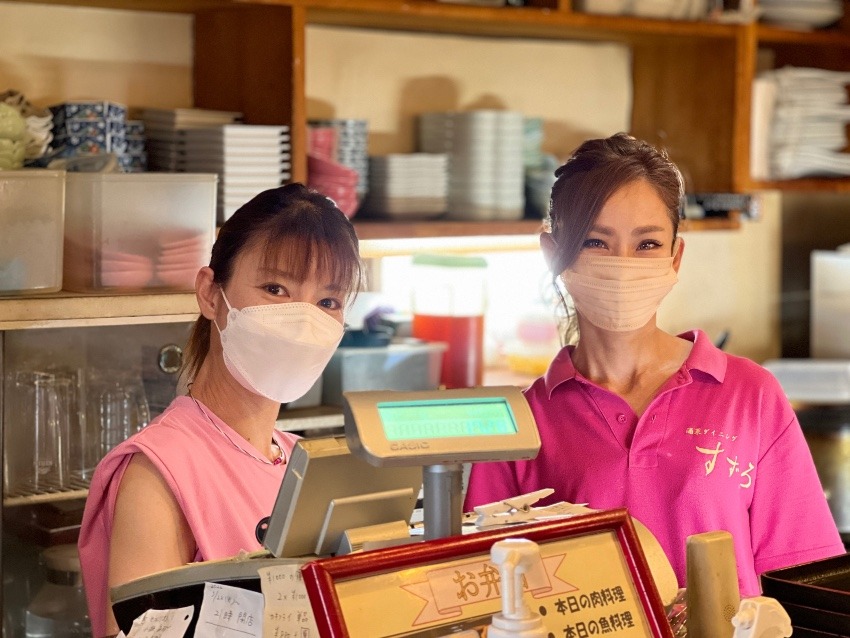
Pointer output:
409, 365
32, 210
819, 381
137, 231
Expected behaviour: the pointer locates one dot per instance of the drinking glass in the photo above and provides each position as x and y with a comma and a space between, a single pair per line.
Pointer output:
36, 437
120, 409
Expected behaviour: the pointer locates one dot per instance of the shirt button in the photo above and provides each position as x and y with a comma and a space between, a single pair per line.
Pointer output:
621, 418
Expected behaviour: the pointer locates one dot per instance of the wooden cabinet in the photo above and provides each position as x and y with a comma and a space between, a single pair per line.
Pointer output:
691, 79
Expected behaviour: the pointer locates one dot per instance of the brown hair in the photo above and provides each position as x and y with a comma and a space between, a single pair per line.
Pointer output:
293, 223
594, 172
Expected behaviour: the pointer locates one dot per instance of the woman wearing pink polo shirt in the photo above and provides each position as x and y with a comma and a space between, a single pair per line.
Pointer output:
688, 438
194, 484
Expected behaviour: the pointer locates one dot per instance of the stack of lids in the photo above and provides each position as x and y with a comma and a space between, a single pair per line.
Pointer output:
163, 128
485, 149
247, 158
411, 185
800, 120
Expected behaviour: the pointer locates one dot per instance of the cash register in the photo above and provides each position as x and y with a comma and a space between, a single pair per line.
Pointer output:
354, 492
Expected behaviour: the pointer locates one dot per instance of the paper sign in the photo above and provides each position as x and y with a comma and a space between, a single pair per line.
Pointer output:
162, 623
287, 613
230, 612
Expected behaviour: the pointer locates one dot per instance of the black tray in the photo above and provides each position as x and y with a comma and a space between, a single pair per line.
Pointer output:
804, 632
817, 619
822, 584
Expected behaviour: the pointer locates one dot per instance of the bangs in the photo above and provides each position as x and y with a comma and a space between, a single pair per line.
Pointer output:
303, 255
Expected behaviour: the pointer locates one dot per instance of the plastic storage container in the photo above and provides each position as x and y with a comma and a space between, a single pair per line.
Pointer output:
32, 211
818, 381
830, 304
404, 366
59, 608
137, 231
449, 299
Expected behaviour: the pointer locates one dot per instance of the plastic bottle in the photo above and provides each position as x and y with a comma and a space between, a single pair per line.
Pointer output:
449, 300
59, 609
514, 557
761, 617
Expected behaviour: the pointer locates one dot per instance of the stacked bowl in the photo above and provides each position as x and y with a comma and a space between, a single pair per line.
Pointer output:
334, 180
12, 133
38, 125
802, 14
485, 149
350, 147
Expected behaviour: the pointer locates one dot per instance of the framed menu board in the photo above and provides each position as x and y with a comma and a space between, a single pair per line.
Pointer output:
592, 580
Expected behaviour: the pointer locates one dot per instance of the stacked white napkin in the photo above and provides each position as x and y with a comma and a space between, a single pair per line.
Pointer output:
799, 124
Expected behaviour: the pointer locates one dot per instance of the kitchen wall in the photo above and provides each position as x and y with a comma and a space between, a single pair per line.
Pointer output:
53, 53
730, 280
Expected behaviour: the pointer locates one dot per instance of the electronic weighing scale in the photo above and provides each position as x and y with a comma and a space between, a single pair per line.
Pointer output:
367, 481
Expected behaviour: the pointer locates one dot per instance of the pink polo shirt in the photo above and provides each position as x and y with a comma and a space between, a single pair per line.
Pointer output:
222, 491
719, 448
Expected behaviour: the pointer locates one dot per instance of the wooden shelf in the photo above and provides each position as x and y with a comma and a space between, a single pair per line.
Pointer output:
511, 22
834, 37
68, 309
378, 230
705, 128
438, 228
160, 6
808, 184
710, 223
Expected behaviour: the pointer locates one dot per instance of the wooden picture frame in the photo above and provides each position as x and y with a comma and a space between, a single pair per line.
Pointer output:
439, 587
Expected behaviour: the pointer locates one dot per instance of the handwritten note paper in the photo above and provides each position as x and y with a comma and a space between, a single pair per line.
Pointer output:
288, 613
230, 612
162, 623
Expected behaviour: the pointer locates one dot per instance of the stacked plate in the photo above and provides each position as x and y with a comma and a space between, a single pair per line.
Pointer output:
125, 270
410, 186
248, 159
163, 127
350, 146
179, 257
485, 149
805, 122
805, 14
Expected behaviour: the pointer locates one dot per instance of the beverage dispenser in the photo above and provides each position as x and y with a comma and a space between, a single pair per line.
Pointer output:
449, 300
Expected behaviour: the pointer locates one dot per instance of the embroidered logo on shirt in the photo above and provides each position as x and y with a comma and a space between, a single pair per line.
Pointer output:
734, 465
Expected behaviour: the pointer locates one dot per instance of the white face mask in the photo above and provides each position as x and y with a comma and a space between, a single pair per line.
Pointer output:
620, 293
278, 350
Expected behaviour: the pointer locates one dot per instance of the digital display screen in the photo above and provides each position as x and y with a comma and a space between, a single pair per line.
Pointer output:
447, 418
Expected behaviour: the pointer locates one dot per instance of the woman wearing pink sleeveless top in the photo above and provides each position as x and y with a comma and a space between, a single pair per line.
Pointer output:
194, 484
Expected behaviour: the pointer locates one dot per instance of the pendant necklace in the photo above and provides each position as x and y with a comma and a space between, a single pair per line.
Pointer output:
279, 458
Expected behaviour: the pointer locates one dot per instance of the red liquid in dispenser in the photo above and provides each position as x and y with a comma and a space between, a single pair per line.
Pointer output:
463, 361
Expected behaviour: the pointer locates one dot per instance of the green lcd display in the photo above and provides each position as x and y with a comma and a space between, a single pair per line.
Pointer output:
447, 418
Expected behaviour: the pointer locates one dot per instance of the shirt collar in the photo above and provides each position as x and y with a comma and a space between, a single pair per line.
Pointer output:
704, 356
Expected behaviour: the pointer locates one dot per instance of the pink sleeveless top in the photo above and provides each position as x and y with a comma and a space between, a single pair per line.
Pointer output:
222, 492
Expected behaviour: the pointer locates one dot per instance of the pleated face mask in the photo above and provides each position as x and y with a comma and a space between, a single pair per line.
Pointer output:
620, 293
279, 350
